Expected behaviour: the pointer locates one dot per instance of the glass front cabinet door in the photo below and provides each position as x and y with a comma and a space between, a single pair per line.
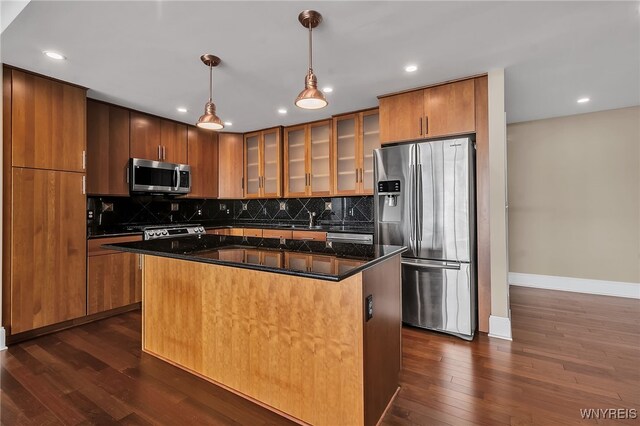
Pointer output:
262, 163
355, 137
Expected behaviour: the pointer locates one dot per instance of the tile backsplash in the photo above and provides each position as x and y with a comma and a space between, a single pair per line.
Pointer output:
115, 213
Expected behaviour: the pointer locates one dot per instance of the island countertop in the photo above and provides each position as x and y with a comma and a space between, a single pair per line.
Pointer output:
313, 259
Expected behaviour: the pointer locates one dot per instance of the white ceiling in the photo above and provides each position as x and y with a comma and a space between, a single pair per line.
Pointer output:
145, 55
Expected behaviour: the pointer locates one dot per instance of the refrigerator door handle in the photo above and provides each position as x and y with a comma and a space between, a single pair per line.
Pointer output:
419, 204
438, 264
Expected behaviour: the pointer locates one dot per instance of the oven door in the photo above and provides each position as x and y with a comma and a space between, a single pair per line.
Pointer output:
155, 177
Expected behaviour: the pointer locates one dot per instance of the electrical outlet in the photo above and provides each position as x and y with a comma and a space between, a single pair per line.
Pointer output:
327, 205
283, 205
368, 306
175, 207
199, 212
351, 212
106, 207
223, 207
244, 206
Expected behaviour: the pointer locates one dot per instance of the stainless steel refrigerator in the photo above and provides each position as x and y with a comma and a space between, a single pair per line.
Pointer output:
425, 200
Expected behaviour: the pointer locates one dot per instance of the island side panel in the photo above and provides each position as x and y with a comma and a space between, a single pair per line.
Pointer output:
292, 343
382, 337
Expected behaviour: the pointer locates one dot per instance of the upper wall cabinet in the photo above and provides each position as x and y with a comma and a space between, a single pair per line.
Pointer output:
308, 153
355, 136
448, 109
107, 149
154, 138
48, 119
230, 170
173, 138
263, 164
202, 156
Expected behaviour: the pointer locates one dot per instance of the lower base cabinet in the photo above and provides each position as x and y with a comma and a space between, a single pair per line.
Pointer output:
114, 279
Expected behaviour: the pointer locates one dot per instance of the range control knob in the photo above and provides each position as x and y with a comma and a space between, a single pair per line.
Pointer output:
201, 229
165, 232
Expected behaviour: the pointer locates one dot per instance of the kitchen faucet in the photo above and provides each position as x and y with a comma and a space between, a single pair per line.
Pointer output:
312, 219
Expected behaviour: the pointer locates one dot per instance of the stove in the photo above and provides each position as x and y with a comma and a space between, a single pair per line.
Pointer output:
170, 231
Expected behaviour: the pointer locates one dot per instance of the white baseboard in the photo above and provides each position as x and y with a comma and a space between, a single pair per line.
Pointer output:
500, 327
3, 344
577, 285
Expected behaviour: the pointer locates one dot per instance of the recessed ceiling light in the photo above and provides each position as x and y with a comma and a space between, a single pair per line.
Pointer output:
282, 111
54, 55
182, 109
327, 89
228, 123
411, 68
583, 100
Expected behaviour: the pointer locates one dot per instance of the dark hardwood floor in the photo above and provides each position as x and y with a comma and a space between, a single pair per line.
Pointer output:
569, 352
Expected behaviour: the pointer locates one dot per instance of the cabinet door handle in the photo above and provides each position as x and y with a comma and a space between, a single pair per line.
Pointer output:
164, 152
242, 182
140, 262
159, 153
84, 160
84, 185
426, 125
420, 119
126, 174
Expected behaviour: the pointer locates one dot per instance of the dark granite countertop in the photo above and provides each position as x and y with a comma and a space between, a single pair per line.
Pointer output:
325, 227
313, 259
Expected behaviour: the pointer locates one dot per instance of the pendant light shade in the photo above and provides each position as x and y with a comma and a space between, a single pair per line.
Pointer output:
209, 120
310, 97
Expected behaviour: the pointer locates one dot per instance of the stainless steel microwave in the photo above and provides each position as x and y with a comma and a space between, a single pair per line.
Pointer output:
156, 177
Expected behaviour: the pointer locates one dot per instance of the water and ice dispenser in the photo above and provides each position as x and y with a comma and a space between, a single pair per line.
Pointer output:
389, 201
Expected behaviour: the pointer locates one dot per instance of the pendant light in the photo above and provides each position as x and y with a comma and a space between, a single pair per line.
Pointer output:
310, 97
209, 120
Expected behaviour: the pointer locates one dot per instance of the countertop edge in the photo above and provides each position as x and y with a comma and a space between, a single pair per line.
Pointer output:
325, 277
354, 230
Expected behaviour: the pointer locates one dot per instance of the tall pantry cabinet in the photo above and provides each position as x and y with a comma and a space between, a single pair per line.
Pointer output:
44, 201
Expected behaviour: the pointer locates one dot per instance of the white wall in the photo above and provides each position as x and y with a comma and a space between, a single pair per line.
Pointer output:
574, 200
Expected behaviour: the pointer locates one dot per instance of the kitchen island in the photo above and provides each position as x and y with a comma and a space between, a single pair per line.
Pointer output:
308, 329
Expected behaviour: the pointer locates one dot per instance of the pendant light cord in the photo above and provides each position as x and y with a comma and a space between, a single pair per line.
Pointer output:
310, 49
210, 83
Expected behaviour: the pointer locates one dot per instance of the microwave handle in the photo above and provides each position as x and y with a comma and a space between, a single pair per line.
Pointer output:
177, 180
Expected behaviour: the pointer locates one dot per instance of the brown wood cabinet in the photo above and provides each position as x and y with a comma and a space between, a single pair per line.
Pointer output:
107, 149
277, 233
47, 123
308, 168
252, 232
48, 248
202, 156
447, 109
309, 235
230, 169
263, 163
355, 136
114, 279
154, 138
173, 138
